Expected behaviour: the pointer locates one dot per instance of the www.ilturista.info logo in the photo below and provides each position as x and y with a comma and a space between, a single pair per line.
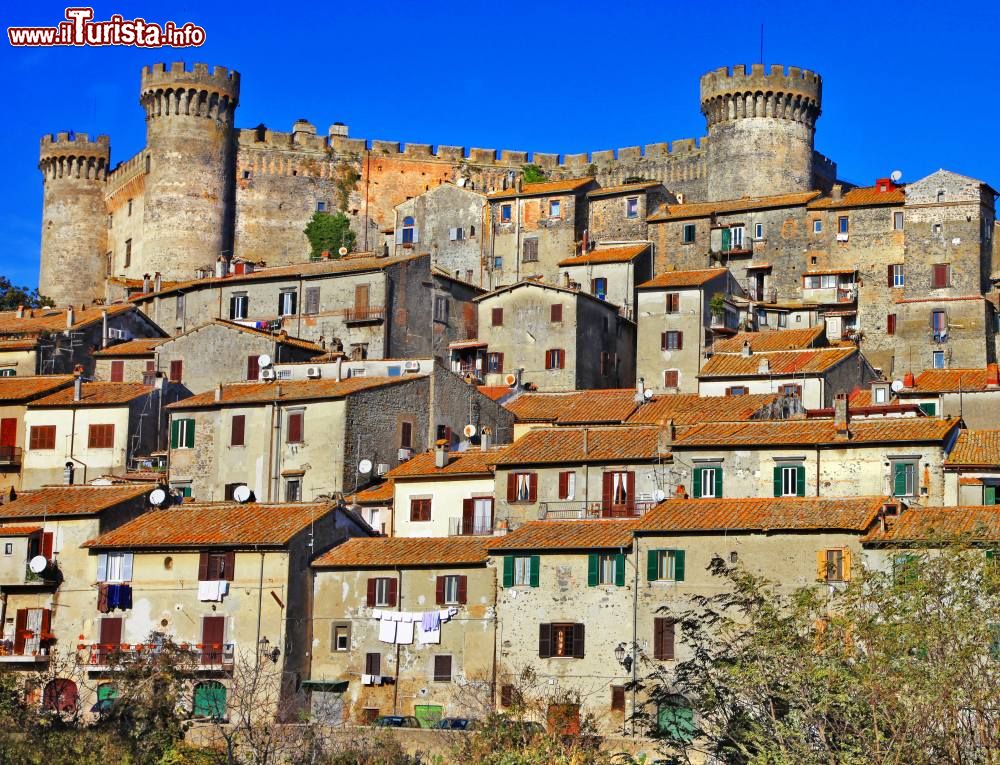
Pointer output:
78, 29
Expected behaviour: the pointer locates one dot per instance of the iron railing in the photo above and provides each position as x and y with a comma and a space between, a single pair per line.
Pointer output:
204, 655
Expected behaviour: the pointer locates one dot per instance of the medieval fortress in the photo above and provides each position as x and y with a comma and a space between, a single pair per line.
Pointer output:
203, 188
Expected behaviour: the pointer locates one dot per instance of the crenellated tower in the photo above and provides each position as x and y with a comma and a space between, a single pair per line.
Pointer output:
190, 180
74, 227
761, 127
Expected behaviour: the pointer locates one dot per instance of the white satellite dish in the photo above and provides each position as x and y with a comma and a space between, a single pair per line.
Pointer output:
38, 564
263, 360
897, 386
659, 495
242, 493
365, 467
510, 379
157, 497
647, 394
895, 175
469, 430
342, 251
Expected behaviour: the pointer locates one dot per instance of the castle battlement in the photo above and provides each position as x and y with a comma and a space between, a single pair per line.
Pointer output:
74, 155
220, 80
783, 93
76, 144
124, 173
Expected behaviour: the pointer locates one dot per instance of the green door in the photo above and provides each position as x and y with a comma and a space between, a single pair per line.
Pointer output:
106, 692
210, 700
428, 714
675, 721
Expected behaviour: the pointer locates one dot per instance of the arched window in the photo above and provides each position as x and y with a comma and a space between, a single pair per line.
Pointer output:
60, 696
210, 700
408, 230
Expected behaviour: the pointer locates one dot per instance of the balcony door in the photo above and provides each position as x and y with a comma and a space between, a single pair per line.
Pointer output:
111, 638
213, 634
618, 496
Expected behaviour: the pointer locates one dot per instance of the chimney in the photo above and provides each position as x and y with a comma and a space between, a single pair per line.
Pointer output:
665, 437
640, 390
20, 312
747, 350
339, 367
70, 317
909, 381
519, 183
104, 328
77, 387
837, 192
484, 439
841, 416
145, 283
157, 282
441, 453
763, 366
992, 376
218, 392
220, 267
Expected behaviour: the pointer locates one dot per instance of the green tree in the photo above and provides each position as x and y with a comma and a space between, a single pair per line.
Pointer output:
12, 296
533, 174
328, 233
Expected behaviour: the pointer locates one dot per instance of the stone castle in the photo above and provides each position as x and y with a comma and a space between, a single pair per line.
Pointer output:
202, 188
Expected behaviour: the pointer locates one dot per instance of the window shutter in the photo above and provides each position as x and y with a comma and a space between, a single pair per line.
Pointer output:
658, 637
230, 564
511, 487
680, 340
416, 234
556, 312
563, 485
102, 567
630, 483
678, 565
239, 430
497, 317
578, 640
463, 589
890, 324
800, 481
117, 371
593, 574
506, 695
697, 481
899, 479
499, 362
668, 639
372, 582
718, 482
821, 569
442, 669
399, 236
253, 367
174, 430
189, 434
663, 341
46, 626
533, 487
47, 545
468, 516
652, 570
544, 640
127, 567
393, 591
203, 567
439, 591
989, 495
535, 566
617, 698
889, 280
232, 307
20, 625
508, 571
606, 490
620, 570
847, 564
777, 480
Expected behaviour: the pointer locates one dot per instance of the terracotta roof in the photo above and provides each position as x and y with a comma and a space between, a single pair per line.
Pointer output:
284, 339
815, 432
900, 301
607, 255
96, 394
613, 405
386, 552
745, 204
567, 535
24, 388
545, 187
143, 346
765, 514
69, 500
379, 494
19, 531
546, 285
979, 448
566, 445
947, 380
215, 524
692, 409
472, 462
862, 397
18, 345
624, 188
938, 524
772, 340
780, 363
38, 320
286, 390
866, 196
494, 392
683, 278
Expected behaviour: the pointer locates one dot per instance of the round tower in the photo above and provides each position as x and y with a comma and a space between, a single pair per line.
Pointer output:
190, 183
760, 130
74, 217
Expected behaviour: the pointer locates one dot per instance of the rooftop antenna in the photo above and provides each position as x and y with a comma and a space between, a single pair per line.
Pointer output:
762, 42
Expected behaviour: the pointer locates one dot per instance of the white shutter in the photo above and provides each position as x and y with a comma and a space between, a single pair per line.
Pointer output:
416, 235
399, 236
102, 567
452, 234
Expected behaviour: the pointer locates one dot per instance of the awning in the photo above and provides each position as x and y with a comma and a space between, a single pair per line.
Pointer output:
467, 344
327, 686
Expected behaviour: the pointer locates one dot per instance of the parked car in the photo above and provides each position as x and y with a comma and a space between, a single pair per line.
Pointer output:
456, 723
396, 721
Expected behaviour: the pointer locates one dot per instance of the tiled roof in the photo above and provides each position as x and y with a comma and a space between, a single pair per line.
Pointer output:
940, 299
766, 514
976, 448
473, 462
18, 345
143, 346
862, 397
282, 338
608, 255
745, 204
545, 187
24, 388
772, 340
96, 394
69, 500
385, 552
815, 432
682, 278
948, 380
801, 362
547, 286
39, 320
567, 535
692, 409
574, 445
624, 188
494, 392
613, 405
939, 524
19, 531
375, 495
216, 524
286, 390
866, 196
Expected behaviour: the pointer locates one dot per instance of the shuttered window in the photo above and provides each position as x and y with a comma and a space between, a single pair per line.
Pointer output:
522, 488
673, 302
239, 424
295, 429
671, 378
182, 434
117, 371
176, 371
567, 484
406, 435
496, 316
452, 590
617, 698
216, 566
373, 664
707, 482
904, 478
521, 570
665, 565
442, 669
789, 481
556, 312
606, 568
561, 641
833, 564
382, 592
663, 638
101, 437
530, 249
890, 324
420, 510
555, 359
672, 340
253, 367
42, 437
312, 300
940, 275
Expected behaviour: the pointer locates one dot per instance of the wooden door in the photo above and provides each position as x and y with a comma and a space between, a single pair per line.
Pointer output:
111, 638
8, 431
213, 634
361, 298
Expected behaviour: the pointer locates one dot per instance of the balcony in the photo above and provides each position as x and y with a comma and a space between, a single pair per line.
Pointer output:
33, 652
20, 575
568, 510
10, 456
205, 657
478, 528
364, 315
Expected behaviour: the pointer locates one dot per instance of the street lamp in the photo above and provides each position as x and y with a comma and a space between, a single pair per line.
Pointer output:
265, 652
624, 658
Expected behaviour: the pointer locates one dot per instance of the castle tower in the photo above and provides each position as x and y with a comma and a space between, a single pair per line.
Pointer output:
74, 217
190, 181
760, 130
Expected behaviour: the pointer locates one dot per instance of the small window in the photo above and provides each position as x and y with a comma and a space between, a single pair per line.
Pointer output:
843, 224
182, 434
117, 371
835, 565
286, 302
409, 231
114, 567
938, 360
897, 221
176, 374
505, 212
420, 510
101, 437
555, 208
789, 389
672, 340
817, 226
406, 435
736, 232
530, 250
758, 230
904, 479
340, 637
673, 302
940, 195
939, 322
555, 358
929, 408
8, 548
294, 427
383, 587
782, 320
496, 317
293, 490
128, 252
373, 666
937, 228
607, 564
442, 669
897, 276
788, 477
737, 390
689, 233
599, 288
632, 207
556, 313
456, 234
940, 276
494, 363
321, 207
522, 570
522, 487
239, 306
179, 308
664, 638
671, 378
441, 309
666, 565
498, 263
710, 478
312, 300
451, 595
109, 264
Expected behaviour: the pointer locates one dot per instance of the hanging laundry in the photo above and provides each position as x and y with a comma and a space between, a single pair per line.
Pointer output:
428, 637
114, 596
431, 621
376, 613
102, 598
404, 632
387, 630
125, 597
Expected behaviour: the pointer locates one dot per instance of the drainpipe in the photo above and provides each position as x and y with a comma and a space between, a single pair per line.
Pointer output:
517, 242
260, 608
77, 393
104, 328
399, 607
635, 627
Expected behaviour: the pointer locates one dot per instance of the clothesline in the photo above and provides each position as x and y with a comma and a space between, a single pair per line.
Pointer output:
399, 627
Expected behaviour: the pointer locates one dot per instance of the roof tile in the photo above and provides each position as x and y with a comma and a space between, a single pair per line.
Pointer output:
69, 500
567, 535
38, 320
807, 432
383, 552
745, 204
95, 394
800, 362
14, 389
683, 278
938, 524
574, 445
691, 409
612, 405
976, 448
865, 196
607, 255
948, 380
143, 346
473, 462
286, 390
773, 340
545, 187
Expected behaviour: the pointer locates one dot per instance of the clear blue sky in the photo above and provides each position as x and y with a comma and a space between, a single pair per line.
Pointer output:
907, 85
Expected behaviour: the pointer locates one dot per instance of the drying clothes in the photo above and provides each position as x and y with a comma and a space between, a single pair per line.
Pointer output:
387, 630
125, 597
404, 632
102, 598
431, 621
114, 596
376, 613
406, 616
212, 590
428, 637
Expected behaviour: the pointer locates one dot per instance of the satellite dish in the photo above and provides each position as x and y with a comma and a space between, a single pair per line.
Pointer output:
659, 495
38, 564
342, 251
263, 360
510, 379
365, 467
647, 394
157, 497
897, 386
895, 175
242, 493
469, 430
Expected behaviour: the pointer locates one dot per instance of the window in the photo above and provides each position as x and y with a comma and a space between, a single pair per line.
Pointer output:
897, 221
522, 487
182, 434
671, 340
312, 300
556, 313
456, 234
843, 224
441, 309
101, 437
737, 237
442, 669
789, 481
409, 234
617, 698
940, 195
406, 435
567, 484
939, 322
605, 364
109, 264
671, 378
179, 308
758, 230
606, 568
818, 281
420, 510
382, 591
114, 567
928, 408
293, 490
708, 482
496, 317
494, 362
762, 317
230, 491
555, 359
632, 207
340, 636
293, 424
555, 208
673, 302
665, 565
521, 570
737, 390
128, 253
505, 211
817, 226
790, 389
599, 287
253, 368
940, 276
530, 250
176, 373
321, 207
890, 324
904, 479
287, 300
452, 590
8, 372
833, 565
239, 306
373, 666
664, 629
560, 641
8, 548
216, 566
782, 320
689, 233
42, 437
117, 371
938, 360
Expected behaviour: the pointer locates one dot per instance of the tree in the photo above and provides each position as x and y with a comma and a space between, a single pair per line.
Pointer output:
533, 174
328, 233
12, 296
899, 666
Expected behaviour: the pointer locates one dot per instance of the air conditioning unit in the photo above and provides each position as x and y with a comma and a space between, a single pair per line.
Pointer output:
268, 374
117, 334
358, 372
405, 454
284, 374
314, 372
382, 468
411, 366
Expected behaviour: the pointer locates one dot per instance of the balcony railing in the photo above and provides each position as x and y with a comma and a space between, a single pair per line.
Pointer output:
33, 651
10, 455
367, 313
478, 528
581, 510
206, 656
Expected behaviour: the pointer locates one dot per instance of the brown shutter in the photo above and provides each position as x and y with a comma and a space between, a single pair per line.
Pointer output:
668, 639
658, 637
203, 567
230, 564
680, 340
617, 698
117, 371
544, 641
463, 589
607, 488
294, 427
373, 663
506, 695
663, 341
499, 362
239, 430
578, 641
439, 591
889, 279
631, 489
890, 324
512, 487
20, 625
47, 545
253, 368
393, 591
442, 669
468, 516
46, 622
497, 317
533, 487
556, 312
372, 581
176, 371
563, 485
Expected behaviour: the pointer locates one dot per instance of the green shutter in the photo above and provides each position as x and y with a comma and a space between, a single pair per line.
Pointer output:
777, 480
726, 239
899, 479
652, 570
175, 427
593, 570
535, 566
800, 481
186, 491
989, 495
718, 481
994, 640
678, 565
508, 571
697, 482
620, 569
991, 554
930, 408
189, 434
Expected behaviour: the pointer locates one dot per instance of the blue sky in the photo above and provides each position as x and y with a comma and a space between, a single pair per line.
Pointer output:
907, 85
